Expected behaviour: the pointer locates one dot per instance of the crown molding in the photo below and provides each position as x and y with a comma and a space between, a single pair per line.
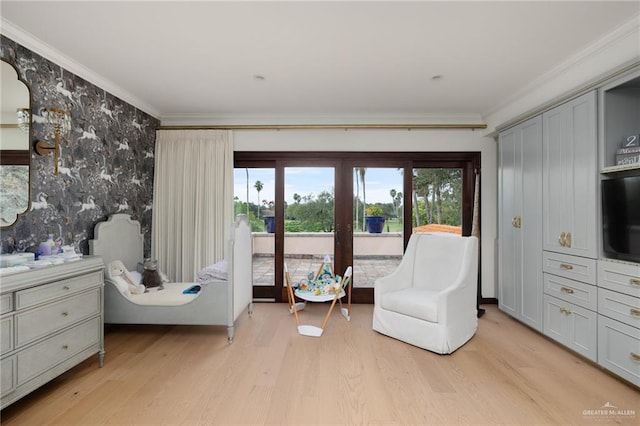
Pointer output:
27, 40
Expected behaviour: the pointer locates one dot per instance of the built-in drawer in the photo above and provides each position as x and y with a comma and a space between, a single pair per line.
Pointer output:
572, 267
6, 334
619, 348
39, 358
619, 306
7, 375
619, 276
577, 292
6, 303
52, 291
573, 326
39, 322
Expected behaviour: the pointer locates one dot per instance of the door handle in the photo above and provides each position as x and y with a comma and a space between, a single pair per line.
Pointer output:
338, 234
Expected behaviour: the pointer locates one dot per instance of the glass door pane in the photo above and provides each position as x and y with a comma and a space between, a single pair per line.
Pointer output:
254, 190
437, 200
378, 242
309, 221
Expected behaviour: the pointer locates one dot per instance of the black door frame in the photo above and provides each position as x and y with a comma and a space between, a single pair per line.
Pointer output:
343, 163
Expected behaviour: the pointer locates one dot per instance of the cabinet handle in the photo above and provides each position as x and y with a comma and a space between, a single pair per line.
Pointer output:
65, 347
66, 287
566, 267
635, 356
516, 222
566, 290
65, 314
562, 239
635, 312
634, 281
566, 311
567, 240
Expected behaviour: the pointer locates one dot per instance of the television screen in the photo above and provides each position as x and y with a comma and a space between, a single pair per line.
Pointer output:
621, 218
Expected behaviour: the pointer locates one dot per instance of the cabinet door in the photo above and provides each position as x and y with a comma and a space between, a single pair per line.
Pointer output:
571, 325
509, 183
520, 222
531, 224
570, 177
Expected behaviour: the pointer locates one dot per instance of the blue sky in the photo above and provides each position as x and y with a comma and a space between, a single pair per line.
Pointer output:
313, 180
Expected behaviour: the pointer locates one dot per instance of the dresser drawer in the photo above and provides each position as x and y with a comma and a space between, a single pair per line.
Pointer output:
577, 292
39, 358
6, 303
6, 334
572, 267
7, 375
619, 348
52, 291
620, 307
39, 322
619, 276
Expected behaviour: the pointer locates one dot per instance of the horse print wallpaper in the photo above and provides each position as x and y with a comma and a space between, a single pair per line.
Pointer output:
105, 166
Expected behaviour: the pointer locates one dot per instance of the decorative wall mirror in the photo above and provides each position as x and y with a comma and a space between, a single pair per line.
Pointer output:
15, 152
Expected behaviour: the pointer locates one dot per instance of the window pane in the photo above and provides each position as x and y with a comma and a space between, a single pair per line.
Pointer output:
437, 200
377, 223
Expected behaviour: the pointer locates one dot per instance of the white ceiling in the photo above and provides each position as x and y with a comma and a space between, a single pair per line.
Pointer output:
201, 59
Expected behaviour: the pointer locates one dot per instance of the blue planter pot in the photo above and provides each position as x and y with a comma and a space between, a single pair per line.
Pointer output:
375, 224
270, 224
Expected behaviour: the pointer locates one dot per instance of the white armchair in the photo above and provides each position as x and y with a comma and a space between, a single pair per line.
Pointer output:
430, 301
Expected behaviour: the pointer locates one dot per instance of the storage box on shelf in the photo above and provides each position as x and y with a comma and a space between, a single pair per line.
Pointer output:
51, 319
619, 318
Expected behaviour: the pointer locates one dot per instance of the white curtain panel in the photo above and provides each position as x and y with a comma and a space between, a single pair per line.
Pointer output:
192, 200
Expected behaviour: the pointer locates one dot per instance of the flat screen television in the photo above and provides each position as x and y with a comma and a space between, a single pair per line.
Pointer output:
621, 218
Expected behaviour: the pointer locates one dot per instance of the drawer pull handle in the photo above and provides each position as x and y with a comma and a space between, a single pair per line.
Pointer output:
566, 290
635, 356
635, 312
566, 267
65, 347
65, 314
66, 287
566, 311
634, 281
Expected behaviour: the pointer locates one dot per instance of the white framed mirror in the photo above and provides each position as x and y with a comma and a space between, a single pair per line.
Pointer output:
15, 152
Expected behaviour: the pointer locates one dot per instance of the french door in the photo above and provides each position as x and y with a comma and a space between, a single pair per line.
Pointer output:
305, 206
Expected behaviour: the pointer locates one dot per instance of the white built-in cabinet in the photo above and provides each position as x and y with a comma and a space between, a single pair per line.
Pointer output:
570, 179
569, 223
551, 273
520, 222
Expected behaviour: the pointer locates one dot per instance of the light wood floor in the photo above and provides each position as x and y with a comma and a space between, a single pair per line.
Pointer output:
187, 375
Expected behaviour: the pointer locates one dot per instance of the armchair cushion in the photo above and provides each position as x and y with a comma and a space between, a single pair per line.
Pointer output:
414, 302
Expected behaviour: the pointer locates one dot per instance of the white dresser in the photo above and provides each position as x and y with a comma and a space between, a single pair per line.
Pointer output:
51, 319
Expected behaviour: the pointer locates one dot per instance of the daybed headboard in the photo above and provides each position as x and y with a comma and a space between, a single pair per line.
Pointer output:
118, 238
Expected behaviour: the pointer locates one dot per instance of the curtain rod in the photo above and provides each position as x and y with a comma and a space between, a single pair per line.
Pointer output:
324, 126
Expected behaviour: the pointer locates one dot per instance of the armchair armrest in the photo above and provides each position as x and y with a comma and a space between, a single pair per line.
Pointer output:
400, 278
456, 300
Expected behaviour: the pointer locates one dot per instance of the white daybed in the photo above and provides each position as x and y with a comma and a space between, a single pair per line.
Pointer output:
219, 302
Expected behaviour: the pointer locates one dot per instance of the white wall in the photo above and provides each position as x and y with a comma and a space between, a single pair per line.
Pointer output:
424, 140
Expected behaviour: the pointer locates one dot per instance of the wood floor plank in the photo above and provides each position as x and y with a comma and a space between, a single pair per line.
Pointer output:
189, 375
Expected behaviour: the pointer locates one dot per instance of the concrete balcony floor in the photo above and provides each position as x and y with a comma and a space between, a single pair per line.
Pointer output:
365, 269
